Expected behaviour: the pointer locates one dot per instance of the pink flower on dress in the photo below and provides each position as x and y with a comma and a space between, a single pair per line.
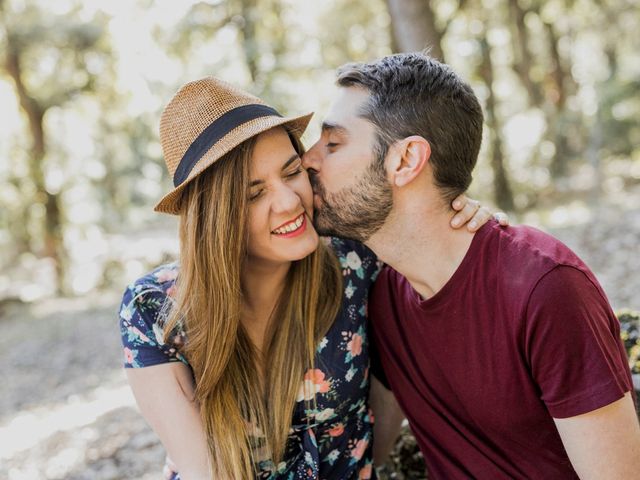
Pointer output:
141, 335
337, 430
313, 383
355, 345
171, 291
358, 450
365, 472
128, 355
316, 376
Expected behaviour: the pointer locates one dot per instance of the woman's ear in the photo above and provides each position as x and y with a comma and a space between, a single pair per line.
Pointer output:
411, 156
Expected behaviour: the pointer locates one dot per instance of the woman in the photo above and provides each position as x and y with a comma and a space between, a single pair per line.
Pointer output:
256, 345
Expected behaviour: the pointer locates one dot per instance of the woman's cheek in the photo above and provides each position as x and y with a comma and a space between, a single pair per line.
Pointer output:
257, 221
306, 192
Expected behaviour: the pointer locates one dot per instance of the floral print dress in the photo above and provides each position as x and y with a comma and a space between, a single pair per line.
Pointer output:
332, 441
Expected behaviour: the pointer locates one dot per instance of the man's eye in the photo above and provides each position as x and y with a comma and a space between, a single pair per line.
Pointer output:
331, 145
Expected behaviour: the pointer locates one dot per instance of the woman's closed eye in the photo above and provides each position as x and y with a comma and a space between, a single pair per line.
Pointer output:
255, 195
297, 171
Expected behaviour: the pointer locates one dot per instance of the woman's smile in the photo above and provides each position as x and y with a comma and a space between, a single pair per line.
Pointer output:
292, 228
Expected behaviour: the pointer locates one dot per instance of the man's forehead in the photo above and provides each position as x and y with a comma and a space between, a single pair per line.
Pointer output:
346, 107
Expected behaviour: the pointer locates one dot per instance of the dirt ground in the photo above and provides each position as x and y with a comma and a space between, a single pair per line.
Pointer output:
65, 408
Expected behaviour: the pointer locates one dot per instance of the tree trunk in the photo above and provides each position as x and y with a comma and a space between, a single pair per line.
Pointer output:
557, 96
53, 241
522, 56
249, 41
593, 153
502, 190
413, 26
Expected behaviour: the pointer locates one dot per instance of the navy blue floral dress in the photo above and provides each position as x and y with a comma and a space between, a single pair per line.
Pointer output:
332, 441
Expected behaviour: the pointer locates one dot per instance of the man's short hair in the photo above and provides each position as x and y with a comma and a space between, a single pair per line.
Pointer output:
413, 94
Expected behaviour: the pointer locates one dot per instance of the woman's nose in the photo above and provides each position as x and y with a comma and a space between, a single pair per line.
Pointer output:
286, 199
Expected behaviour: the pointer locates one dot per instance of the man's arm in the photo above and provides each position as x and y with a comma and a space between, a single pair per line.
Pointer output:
388, 420
605, 443
580, 365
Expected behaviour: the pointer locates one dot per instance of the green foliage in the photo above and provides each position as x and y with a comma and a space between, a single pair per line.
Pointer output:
620, 121
630, 334
354, 34
406, 461
59, 55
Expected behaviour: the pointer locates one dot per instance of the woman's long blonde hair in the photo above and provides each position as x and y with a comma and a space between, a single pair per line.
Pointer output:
233, 399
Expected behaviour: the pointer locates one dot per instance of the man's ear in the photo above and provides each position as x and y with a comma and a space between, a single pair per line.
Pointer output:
411, 156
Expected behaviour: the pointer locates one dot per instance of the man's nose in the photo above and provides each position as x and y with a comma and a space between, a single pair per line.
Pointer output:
311, 158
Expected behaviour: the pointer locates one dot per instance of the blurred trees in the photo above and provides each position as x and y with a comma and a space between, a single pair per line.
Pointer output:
414, 28
502, 193
558, 79
263, 41
48, 58
527, 55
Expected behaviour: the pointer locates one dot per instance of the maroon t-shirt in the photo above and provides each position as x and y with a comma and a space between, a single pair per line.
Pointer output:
521, 333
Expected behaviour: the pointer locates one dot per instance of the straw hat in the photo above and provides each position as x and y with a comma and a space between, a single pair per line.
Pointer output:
206, 119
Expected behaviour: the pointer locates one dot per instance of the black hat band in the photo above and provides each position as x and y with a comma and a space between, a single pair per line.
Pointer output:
214, 132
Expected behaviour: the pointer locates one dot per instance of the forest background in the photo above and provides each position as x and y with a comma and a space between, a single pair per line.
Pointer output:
82, 85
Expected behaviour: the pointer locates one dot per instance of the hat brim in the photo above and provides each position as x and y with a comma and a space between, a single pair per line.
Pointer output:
170, 202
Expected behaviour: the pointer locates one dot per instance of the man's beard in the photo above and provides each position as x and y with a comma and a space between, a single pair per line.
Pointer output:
355, 212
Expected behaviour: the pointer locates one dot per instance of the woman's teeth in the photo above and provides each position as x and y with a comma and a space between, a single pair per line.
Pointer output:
290, 227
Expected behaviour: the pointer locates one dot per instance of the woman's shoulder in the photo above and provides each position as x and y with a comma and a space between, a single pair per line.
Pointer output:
150, 292
142, 314
160, 281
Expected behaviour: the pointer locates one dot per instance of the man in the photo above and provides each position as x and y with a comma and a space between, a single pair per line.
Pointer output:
499, 346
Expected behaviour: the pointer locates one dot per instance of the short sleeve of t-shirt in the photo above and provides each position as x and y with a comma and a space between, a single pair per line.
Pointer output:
141, 327
573, 344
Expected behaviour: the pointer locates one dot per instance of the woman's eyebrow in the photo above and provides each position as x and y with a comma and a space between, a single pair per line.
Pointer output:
292, 159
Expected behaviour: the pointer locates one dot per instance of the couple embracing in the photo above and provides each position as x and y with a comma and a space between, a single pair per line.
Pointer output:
267, 351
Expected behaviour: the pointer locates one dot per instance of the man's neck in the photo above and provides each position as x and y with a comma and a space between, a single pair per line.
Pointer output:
420, 244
